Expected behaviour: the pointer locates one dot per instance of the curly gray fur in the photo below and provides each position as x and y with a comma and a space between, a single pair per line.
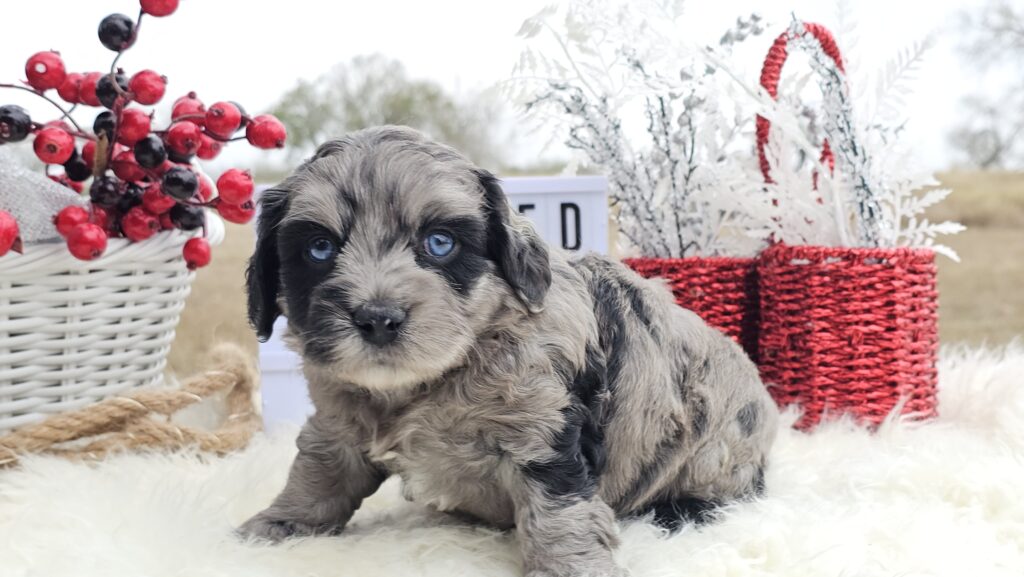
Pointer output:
525, 387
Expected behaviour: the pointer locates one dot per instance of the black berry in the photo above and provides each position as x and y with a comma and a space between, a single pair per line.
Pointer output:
150, 152
187, 217
15, 124
180, 183
116, 32
105, 91
114, 224
104, 125
105, 191
76, 169
179, 158
132, 197
245, 117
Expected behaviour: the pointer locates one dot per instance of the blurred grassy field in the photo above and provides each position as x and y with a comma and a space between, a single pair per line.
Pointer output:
981, 298
215, 311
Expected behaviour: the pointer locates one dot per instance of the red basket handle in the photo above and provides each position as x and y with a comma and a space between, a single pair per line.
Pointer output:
770, 74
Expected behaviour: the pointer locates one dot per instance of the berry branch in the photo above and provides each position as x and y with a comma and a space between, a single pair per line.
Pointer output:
143, 177
65, 114
76, 133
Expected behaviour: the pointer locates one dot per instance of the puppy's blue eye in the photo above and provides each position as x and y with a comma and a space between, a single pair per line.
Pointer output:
321, 249
439, 244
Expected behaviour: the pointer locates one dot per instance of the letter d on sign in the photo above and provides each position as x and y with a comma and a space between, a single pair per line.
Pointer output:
575, 208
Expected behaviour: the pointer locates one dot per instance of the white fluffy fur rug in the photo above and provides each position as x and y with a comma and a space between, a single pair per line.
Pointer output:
946, 498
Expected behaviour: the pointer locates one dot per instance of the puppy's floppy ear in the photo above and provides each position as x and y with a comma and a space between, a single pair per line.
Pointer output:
521, 255
263, 274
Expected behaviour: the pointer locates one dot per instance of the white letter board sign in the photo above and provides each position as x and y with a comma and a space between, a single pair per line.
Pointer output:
568, 212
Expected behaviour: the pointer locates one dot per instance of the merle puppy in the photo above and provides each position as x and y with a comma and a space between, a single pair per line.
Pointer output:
444, 342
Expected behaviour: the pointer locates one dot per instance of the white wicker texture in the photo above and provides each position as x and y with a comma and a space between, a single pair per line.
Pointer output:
74, 332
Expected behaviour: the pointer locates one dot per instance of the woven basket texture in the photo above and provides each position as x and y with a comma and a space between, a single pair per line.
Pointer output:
849, 330
73, 332
720, 290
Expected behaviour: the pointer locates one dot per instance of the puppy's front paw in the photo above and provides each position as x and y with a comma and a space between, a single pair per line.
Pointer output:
590, 568
610, 571
268, 527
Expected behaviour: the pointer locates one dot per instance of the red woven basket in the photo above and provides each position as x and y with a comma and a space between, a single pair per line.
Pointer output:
849, 330
845, 330
720, 290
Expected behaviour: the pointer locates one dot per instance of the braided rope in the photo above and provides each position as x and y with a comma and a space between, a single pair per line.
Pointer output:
142, 419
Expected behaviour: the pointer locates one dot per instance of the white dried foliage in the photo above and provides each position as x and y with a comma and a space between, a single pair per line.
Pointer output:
671, 125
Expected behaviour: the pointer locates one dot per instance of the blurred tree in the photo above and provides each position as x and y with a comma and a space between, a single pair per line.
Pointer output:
372, 89
990, 133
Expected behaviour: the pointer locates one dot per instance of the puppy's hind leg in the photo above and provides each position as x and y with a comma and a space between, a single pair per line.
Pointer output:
565, 535
564, 527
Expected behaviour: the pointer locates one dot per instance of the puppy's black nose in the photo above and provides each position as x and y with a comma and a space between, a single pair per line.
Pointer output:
379, 322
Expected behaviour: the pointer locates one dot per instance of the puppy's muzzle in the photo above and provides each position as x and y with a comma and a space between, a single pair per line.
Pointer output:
379, 322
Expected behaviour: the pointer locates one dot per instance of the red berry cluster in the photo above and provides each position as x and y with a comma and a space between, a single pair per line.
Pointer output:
142, 180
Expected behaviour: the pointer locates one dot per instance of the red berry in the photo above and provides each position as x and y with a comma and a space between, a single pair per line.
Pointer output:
87, 241
235, 186
126, 168
208, 148
205, 188
266, 131
59, 124
69, 217
9, 238
156, 201
223, 119
138, 224
134, 126
165, 221
54, 145
99, 215
147, 87
190, 96
87, 89
68, 90
239, 214
89, 153
63, 180
196, 253
45, 70
191, 107
183, 138
164, 167
159, 8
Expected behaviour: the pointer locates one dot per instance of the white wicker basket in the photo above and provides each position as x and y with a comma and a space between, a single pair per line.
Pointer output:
74, 332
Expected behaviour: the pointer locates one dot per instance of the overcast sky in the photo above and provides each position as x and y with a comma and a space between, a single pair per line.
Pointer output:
253, 51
